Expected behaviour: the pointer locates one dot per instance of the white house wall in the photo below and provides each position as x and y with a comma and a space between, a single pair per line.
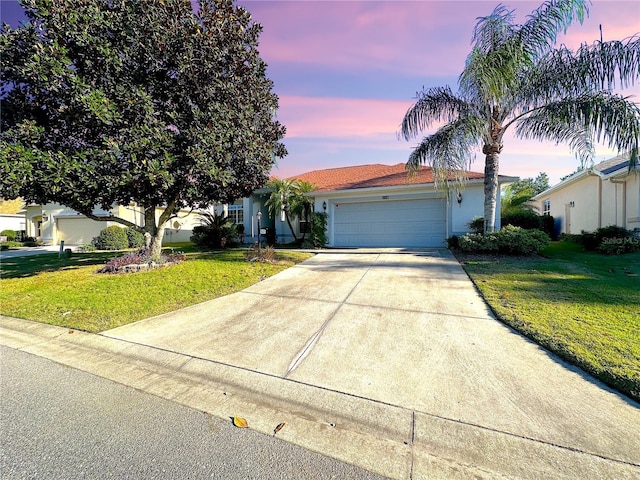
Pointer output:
472, 205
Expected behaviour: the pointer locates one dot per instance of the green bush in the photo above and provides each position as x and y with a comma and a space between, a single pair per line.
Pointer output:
216, 231
111, 238
318, 231
476, 225
453, 242
134, 238
509, 240
10, 234
614, 240
476, 242
522, 218
549, 226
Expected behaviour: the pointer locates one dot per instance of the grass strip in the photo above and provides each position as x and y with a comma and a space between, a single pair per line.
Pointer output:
583, 306
68, 292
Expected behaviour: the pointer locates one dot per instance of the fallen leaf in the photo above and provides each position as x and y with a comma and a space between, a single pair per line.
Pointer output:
70, 331
278, 428
240, 422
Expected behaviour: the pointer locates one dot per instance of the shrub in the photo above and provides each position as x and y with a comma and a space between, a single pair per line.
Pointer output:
522, 218
453, 242
134, 238
10, 234
263, 254
216, 231
31, 242
509, 240
318, 230
476, 242
614, 240
111, 238
549, 226
140, 257
476, 225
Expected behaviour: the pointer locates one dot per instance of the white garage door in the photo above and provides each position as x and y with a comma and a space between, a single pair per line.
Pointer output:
78, 231
401, 223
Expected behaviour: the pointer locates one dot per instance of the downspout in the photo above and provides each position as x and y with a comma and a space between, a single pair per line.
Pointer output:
595, 173
624, 200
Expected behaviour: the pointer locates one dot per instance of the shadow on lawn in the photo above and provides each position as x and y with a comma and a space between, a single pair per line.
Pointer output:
20, 267
27, 266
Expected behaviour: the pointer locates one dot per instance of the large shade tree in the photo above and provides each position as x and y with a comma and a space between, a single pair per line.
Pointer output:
159, 104
515, 80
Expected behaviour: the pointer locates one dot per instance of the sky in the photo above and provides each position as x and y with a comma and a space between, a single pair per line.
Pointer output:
347, 71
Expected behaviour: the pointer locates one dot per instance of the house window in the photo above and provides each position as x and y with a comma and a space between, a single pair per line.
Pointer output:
235, 213
546, 207
305, 227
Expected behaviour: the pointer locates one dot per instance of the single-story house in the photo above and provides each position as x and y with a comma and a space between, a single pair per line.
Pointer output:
605, 194
367, 206
53, 223
381, 206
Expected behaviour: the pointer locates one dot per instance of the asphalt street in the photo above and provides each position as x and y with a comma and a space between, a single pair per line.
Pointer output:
60, 423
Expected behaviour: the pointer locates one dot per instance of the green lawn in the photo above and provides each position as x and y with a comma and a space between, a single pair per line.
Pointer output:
583, 306
69, 292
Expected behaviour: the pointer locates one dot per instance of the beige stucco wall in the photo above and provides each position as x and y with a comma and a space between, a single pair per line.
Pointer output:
621, 201
590, 202
63, 223
583, 213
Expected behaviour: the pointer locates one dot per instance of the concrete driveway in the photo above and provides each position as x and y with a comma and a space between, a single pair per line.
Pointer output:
388, 360
406, 338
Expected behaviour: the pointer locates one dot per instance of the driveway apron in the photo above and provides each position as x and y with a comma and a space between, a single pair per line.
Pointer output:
406, 329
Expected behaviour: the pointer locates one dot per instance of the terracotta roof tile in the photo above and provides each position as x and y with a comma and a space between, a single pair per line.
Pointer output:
368, 176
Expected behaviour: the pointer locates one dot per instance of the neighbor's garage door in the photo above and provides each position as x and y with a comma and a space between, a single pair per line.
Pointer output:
78, 231
401, 223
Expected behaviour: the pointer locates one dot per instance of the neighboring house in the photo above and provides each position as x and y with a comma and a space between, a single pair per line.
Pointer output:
381, 206
53, 223
12, 215
606, 194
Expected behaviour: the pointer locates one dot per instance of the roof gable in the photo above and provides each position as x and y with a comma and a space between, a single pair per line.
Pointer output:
370, 176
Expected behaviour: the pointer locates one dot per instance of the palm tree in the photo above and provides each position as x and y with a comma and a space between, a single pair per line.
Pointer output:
515, 79
288, 196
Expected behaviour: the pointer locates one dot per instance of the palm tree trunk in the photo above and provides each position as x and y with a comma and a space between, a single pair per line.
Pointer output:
286, 215
490, 186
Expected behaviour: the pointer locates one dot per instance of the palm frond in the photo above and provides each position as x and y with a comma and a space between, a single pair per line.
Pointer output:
449, 150
493, 31
539, 33
438, 104
579, 121
561, 73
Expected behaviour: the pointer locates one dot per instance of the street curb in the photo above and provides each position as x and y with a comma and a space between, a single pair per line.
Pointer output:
386, 439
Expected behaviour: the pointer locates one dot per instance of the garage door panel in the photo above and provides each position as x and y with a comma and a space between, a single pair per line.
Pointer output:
404, 223
78, 231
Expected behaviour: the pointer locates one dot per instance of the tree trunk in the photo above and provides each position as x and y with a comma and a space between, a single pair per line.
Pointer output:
492, 153
155, 232
286, 215
155, 248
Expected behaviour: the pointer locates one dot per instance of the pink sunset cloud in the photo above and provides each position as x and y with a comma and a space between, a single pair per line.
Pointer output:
313, 117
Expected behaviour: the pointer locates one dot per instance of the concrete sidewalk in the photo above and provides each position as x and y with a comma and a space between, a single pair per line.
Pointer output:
386, 360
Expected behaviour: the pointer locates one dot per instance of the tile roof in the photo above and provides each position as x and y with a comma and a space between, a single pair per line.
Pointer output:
368, 176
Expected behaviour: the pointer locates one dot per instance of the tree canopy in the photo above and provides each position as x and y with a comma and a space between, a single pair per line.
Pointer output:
520, 192
152, 102
515, 80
